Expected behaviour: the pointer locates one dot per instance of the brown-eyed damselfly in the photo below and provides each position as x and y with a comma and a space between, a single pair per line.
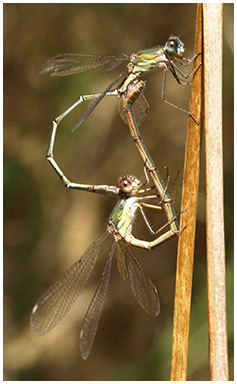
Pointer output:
53, 305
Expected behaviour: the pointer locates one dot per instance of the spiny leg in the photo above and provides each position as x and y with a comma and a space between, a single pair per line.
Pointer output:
149, 244
186, 76
129, 238
185, 62
163, 95
164, 226
147, 180
173, 185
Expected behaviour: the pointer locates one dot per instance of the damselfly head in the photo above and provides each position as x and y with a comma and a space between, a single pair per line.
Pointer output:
174, 46
129, 183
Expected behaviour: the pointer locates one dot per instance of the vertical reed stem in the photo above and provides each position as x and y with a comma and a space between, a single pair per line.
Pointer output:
185, 255
218, 355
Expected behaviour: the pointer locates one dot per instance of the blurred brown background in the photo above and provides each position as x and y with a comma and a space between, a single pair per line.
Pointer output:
47, 228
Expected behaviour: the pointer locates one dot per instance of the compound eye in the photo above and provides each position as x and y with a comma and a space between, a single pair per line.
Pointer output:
126, 184
172, 46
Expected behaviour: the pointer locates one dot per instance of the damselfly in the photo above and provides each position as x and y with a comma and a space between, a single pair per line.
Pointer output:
139, 63
53, 305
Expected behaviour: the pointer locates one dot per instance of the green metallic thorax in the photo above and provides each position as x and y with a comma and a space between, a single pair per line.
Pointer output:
141, 62
149, 59
123, 215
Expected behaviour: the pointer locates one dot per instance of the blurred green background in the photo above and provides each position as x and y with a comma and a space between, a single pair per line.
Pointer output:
47, 228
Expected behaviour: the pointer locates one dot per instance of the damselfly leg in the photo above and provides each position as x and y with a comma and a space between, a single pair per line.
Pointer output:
181, 82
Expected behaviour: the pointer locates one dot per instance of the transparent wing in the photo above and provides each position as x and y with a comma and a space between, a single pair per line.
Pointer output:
141, 109
143, 288
96, 101
121, 263
92, 317
53, 305
70, 63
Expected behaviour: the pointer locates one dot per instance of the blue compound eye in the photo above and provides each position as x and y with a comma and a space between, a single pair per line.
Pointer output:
172, 45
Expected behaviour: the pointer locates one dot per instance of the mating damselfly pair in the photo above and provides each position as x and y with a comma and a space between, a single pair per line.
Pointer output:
132, 194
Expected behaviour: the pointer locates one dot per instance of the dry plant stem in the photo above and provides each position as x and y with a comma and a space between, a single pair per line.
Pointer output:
218, 355
186, 244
